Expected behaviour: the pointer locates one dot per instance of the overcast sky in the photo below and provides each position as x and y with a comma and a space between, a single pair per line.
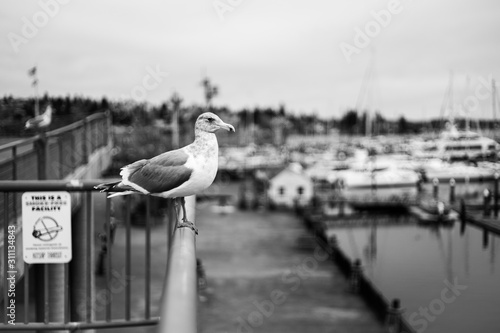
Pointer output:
309, 55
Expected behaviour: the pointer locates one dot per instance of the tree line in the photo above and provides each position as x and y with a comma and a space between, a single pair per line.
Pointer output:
262, 121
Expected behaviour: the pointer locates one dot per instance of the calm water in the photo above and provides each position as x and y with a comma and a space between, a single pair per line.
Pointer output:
447, 281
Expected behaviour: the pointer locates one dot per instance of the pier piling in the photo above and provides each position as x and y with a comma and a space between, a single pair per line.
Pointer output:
452, 191
495, 195
394, 313
355, 277
486, 238
463, 216
486, 202
435, 188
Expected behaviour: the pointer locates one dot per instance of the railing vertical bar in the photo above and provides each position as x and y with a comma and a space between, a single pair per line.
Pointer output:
60, 149
46, 306
14, 177
72, 156
5, 254
14, 163
108, 258
85, 138
26, 292
66, 293
88, 279
147, 295
127, 258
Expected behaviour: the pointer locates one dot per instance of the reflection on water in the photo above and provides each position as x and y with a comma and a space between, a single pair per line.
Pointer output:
448, 279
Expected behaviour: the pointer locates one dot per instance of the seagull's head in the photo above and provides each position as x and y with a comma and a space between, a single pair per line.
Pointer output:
210, 122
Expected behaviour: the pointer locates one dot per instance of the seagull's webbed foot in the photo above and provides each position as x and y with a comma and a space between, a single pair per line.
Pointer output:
187, 224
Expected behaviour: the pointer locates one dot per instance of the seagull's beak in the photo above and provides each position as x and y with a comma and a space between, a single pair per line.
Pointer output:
227, 127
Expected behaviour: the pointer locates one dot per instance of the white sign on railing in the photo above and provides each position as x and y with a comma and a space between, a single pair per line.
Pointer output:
46, 227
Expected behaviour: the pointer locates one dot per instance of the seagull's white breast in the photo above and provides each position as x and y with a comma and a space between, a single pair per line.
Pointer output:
203, 160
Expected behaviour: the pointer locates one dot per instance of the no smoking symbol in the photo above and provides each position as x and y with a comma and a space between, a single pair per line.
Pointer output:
46, 229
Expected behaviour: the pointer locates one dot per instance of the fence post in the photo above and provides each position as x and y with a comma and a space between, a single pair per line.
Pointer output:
85, 141
82, 264
49, 278
41, 152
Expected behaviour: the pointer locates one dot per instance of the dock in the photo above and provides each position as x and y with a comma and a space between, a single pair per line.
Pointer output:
266, 273
476, 216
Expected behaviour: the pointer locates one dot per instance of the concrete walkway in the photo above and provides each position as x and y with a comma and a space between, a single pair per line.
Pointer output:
266, 274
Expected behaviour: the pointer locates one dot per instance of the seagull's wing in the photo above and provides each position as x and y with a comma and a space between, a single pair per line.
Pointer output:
159, 174
33, 122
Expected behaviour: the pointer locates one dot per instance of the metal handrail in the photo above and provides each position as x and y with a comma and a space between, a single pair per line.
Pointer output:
53, 318
19, 142
178, 311
48, 185
57, 153
76, 124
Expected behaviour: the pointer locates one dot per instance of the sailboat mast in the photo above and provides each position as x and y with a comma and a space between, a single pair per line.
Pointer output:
493, 101
365, 94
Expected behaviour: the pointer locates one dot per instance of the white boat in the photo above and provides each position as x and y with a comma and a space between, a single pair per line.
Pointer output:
387, 177
375, 177
443, 170
454, 144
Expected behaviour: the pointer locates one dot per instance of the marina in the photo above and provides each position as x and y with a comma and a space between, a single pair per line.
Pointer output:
250, 167
417, 264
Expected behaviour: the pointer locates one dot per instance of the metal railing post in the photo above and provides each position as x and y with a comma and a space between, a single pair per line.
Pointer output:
495, 195
85, 143
59, 288
82, 263
178, 311
41, 151
56, 275
109, 129
43, 309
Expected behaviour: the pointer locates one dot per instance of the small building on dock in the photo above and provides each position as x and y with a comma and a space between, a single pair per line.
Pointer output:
290, 185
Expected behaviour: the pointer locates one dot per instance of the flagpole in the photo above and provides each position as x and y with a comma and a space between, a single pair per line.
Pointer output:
37, 110
32, 73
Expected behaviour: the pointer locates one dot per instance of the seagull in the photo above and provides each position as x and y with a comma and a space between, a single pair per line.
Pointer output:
177, 173
40, 121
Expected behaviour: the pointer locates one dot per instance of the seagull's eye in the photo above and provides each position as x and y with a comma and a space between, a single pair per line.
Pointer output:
210, 120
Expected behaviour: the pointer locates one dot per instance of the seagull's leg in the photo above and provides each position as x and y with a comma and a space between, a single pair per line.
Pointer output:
185, 222
176, 209
184, 215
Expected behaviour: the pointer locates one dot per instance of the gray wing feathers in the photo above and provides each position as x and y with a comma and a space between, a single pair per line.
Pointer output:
161, 173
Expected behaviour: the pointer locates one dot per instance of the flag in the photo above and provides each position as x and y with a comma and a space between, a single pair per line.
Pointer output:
34, 83
32, 71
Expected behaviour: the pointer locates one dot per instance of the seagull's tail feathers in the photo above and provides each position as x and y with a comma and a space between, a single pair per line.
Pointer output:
107, 187
118, 188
